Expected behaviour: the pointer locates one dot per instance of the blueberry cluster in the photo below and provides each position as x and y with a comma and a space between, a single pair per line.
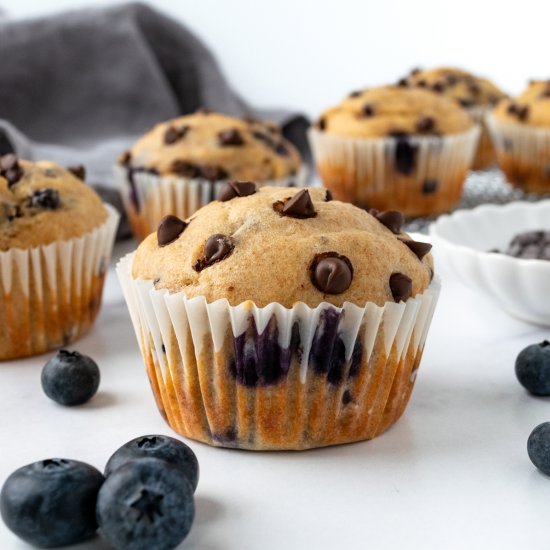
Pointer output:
143, 501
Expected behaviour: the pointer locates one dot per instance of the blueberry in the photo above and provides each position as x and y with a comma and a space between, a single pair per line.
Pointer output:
70, 378
538, 447
533, 368
51, 502
157, 446
145, 504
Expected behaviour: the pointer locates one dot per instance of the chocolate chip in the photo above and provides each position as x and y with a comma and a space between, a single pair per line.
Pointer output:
451, 79
261, 136
414, 71
474, 89
429, 186
185, 169
79, 171
367, 110
173, 135
401, 287
346, 398
392, 219
216, 248
169, 229
422, 84
402, 83
213, 173
233, 189
230, 138
405, 156
125, 158
466, 102
438, 87
523, 113
418, 247
282, 150
355, 93
10, 169
44, 198
331, 273
322, 124
425, 124
298, 206
328, 196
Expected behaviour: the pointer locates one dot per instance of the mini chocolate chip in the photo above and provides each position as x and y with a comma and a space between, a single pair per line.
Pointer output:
169, 229
44, 198
418, 247
451, 79
261, 136
438, 87
422, 84
523, 113
402, 83
213, 173
322, 123
392, 219
328, 196
298, 206
401, 287
367, 110
512, 109
282, 150
125, 158
10, 169
466, 102
216, 248
425, 124
229, 138
79, 171
474, 88
172, 134
429, 186
185, 169
233, 189
355, 93
331, 273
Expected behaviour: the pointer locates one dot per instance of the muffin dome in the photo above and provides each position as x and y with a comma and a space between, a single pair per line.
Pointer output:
41, 203
395, 111
214, 146
532, 107
465, 88
285, 245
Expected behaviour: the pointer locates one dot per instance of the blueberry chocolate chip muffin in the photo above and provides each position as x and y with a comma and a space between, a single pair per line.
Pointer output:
395, 147
520, 129
284, 319
180, 164
55, 240
478, 95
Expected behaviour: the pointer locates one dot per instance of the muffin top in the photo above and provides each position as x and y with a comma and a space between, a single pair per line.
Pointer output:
532, 107
395, 111
42, 202
285, 245
469, 90
214, 147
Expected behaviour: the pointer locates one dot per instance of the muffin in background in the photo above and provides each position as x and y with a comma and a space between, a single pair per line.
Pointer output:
322, 350
395, 147
56, 238
180, 164
520, 129
476, 94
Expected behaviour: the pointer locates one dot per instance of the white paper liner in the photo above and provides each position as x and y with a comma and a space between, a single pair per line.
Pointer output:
159, 196
175, 324
32, 275
362, 170
523, 153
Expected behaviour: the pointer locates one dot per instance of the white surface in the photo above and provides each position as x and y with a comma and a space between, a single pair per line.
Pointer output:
308, 55
453, 473
464, 239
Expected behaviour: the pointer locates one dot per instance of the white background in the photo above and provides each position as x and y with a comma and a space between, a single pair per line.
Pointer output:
308, 54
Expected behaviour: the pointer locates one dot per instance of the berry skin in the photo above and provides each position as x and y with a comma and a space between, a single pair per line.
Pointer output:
533, 368
538, 447
52, 502
70, 378
145, 504
157, 446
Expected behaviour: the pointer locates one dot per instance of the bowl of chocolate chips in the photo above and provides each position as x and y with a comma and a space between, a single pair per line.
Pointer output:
502, 251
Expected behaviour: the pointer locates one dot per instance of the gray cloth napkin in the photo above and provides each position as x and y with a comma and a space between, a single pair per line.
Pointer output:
81, 87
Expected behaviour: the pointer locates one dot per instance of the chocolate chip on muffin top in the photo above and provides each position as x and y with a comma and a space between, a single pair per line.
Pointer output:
531, 108
245, 247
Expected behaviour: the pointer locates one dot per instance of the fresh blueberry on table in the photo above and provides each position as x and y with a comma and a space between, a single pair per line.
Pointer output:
538, 447
52, 502
145, 504
157, 446
533, 368
70, 378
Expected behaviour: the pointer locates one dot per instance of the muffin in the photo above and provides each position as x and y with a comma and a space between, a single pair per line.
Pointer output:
520, 129
477, 95
321, 350
395, 147
56, 238
179, 165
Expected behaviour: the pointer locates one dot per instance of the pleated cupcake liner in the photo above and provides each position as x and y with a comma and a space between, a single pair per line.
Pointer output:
485, 155
523, 154
147, 197
418, 175
276, 378
50, 295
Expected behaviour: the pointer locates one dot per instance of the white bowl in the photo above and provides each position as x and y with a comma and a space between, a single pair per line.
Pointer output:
462, 241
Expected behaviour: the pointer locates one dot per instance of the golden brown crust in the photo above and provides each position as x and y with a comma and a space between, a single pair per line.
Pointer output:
215, 143
531, 108
26, 222
272, 254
